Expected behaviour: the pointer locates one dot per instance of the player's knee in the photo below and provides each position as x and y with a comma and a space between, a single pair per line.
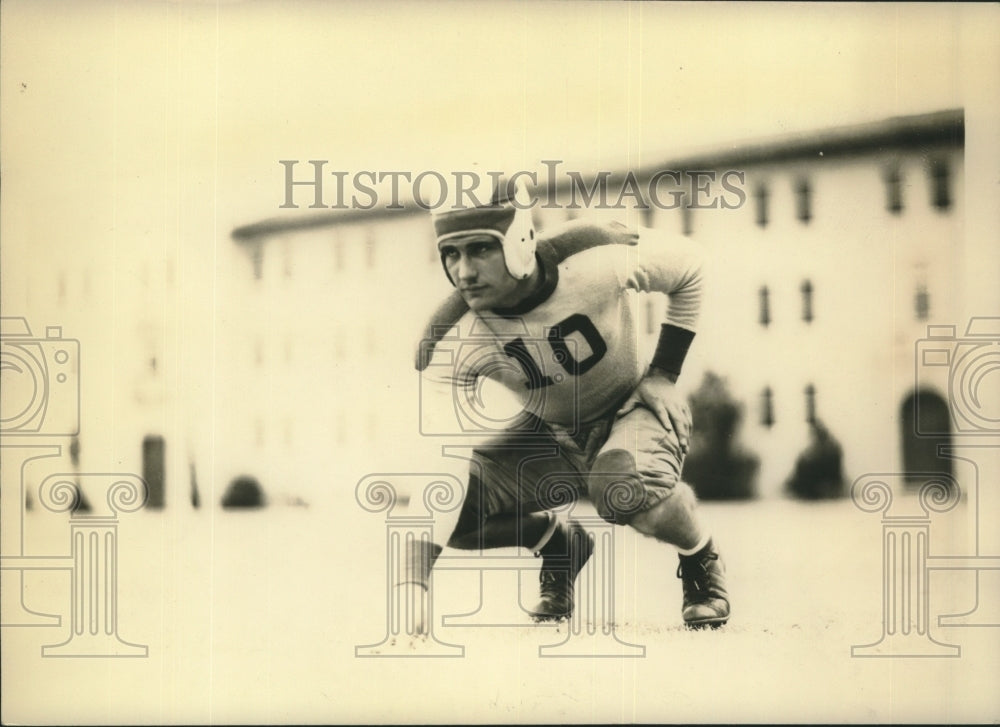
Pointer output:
616, 488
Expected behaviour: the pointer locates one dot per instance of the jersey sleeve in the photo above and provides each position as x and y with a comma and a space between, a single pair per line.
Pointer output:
673, 265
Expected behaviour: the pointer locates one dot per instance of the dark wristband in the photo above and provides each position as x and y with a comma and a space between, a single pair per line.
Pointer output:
672, 348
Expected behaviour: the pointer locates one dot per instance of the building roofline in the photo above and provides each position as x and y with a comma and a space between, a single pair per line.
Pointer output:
944, 128
938, 128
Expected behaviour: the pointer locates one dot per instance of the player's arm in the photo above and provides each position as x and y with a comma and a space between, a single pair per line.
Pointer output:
654, 261
674, 266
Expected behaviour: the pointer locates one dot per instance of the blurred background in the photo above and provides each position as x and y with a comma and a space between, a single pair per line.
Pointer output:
167, 313
223, 333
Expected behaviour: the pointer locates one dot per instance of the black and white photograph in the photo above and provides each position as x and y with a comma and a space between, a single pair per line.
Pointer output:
458, 362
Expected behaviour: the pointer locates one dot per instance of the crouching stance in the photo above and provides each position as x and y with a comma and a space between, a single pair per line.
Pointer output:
552, 318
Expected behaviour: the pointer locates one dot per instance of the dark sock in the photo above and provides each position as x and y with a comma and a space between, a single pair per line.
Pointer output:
564, 541
558, 545
419, 555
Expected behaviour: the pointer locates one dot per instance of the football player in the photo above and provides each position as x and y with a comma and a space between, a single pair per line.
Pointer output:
552, 319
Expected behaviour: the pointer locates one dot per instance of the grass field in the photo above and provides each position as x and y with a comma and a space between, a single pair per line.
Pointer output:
254, 617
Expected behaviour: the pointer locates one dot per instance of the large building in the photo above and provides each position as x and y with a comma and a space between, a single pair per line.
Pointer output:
832, 254
287, 354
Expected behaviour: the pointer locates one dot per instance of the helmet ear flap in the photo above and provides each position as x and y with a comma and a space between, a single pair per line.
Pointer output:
519, 242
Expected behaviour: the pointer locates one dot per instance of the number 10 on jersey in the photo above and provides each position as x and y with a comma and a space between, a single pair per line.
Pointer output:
557, 337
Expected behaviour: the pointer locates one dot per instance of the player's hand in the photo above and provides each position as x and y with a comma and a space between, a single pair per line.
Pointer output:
658, 392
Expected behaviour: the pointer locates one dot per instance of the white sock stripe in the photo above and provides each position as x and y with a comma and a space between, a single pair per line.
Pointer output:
547, 536
701, 544
413, 583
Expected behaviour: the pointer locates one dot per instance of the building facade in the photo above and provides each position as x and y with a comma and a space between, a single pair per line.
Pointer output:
831, 255
287, 354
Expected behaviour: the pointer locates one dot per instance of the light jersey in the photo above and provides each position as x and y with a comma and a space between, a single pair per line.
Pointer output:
569, 351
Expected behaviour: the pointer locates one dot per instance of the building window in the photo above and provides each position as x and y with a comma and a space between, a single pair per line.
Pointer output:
154, 460
894, 190
762, 196
765, 306
940, 184
807, 301
922, 303
286, 259
803, 200
257, 258
767, 407
811, 404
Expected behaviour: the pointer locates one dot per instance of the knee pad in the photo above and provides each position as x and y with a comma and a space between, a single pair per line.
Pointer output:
615, 488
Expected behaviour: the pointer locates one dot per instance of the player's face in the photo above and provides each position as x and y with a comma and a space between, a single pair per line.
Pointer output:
477, 268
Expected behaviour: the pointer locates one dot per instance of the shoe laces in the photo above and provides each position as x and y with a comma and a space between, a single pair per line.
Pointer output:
691, 570
549, 577
553, 581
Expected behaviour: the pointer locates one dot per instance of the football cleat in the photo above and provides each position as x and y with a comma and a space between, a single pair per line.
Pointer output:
563, 557
706, 601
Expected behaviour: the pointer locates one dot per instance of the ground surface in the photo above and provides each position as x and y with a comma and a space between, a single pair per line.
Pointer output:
256, 617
